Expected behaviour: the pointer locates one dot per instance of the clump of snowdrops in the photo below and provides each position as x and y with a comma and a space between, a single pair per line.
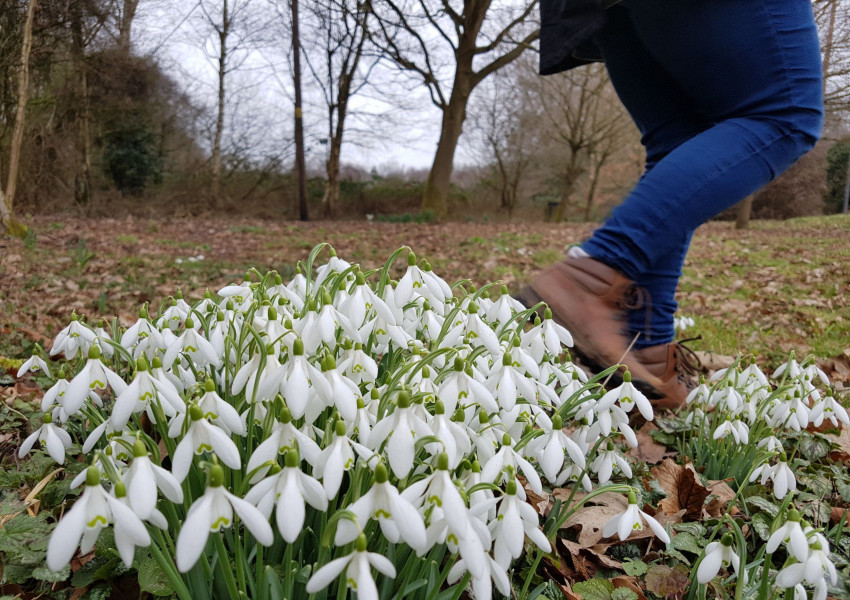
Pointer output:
739, 422
338, 430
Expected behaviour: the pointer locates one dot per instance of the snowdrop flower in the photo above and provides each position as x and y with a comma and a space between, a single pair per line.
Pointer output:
551, 448
603, 464
781, 474
480, 333
482, 587
630, 520
75, 336
516, 520
791, 534
509, 460
398, 518
439, 490
55, 439
142, 390
93, 511
195, 345
34, 364
94, 376
771, 444
335, 460
548, 336
505, 308
400, 429
142, 480
214, 511
284, 436
791, 368
830, 410
55, 394
358, 571
415, 283
453, 436
290, 489
717, 555
628, 396
201, 437
219, 412
335, 265
460, 388
737, 428
508, 384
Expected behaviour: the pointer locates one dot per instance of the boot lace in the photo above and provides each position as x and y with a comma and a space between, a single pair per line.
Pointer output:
688, 364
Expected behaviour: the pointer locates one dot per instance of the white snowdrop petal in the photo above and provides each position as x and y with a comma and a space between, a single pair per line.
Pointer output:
327, 574
194, 533
66, 537
253, 519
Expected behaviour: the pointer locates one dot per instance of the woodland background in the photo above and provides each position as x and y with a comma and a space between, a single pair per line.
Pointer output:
115, 126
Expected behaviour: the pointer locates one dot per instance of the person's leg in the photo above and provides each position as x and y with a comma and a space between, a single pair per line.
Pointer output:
747, 75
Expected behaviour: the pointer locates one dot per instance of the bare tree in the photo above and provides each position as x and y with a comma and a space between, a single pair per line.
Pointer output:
585, 119
503, 131
430, 38
7, 197
230, 24
300, 166
340, 69
125, 23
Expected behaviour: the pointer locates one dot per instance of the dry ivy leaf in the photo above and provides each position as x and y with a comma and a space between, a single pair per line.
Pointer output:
683, 487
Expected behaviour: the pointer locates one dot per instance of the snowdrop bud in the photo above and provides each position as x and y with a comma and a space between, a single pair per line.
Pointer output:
403, 399
459, 416
229, 305
291, 459
728, 539
209, 385
506, 359
219, 317
156, 363
627, 377
361, 403
473, 308
272, 313
48, 418
381, 474
143, 312
443, 462
92, 476
120, 490
411, 259
557, 422
476, 466
439, 408
339, 427
547, 314
196, 413
506, 439
94, 352
216, 476
632, 497
374, 395
139, 448
190, 323
483, 418
298, 347
537, 321
510, 488
360, 543
284, 414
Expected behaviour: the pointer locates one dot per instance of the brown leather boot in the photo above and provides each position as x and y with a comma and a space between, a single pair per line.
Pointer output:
591, 300
676, 367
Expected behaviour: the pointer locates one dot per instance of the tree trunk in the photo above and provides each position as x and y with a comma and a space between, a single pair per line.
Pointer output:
573, 171
745, 209
219, 122
436, 194
126, 24
331, 197
82, 142
300, 165
7, 198
594, 181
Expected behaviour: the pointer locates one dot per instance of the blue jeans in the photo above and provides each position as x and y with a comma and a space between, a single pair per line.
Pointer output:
727, 94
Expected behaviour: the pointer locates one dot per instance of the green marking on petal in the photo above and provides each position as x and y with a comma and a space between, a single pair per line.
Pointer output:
98, 519
203, 448
381, 513
219, 523
97, 384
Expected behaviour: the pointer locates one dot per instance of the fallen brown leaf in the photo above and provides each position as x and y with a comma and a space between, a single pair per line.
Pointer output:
665, 582
648, 450
627, 581
683, 487
591, 518
722, 495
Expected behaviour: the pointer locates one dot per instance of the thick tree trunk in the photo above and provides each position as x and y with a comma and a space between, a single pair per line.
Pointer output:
745, 209
82, 142
219, 121
330, 200
436, 193
7, 198
573, 171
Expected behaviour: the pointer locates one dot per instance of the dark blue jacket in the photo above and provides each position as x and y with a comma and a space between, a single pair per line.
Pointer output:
566, 30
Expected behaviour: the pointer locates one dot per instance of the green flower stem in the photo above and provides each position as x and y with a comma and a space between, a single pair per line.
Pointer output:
523, 595
171, 573
226, 568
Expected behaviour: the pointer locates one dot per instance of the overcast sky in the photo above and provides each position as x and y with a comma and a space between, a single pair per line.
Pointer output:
260, 93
